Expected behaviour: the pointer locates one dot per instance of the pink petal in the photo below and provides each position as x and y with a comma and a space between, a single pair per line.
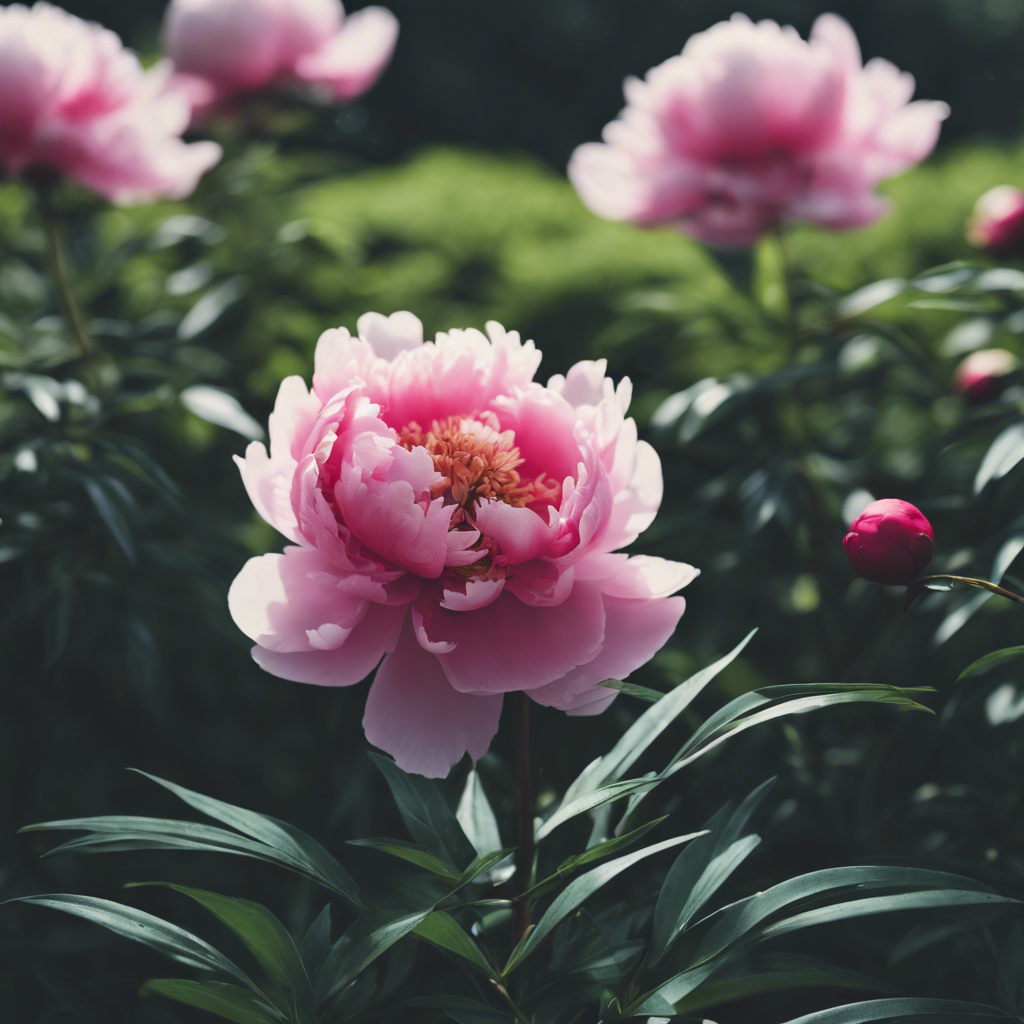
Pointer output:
414, 714
634, 632
521, 533
350, 62
375, 635
292, 602
637, 576
509, 645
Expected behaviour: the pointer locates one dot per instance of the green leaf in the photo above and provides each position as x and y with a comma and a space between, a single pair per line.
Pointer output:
938, 1011
137, 925
430, 820
596, 798
1003, 454
645, 730
106, 506
260, 931
701, 870
364, 941
316, 943
596, 852
489, 867
291, 844
634, 690
579, 889
775, 974
414, 855
875, 294
747, 917
228, 1001
990, 661
476, 816
441, 929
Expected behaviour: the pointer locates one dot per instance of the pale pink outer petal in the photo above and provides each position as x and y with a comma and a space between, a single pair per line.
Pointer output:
521, 533
234, 43
414, 714
509, 645
355, 57
634, 576
292, 602
635, 630
375, 635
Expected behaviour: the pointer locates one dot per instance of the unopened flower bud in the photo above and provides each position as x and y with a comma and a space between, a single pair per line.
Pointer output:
978, 377
997, 221
890, 542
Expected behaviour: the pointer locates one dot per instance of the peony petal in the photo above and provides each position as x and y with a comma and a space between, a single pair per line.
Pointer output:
636, 576
509, 645
414, 714
375, 635
292, 602
634, 632
353, 59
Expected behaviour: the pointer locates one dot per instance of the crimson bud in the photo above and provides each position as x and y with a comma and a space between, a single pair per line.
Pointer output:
890, 542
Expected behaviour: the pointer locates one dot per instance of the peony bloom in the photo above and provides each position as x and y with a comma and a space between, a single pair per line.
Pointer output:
890, 542
751, 127
997, 221
74, 101
459, 520
224, 47
978, 377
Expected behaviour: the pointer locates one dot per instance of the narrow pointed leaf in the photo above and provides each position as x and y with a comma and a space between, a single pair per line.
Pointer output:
937, 1011
441, 929
414, 855
316, 943
227, 1001
290, 843
260, 931
364, 941
579, 889
431, 822
990, 661
596, 798
476, 816
151, 931
647, 728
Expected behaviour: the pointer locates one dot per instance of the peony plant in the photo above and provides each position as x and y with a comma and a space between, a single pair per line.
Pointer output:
460, 521
752, 127
224, 48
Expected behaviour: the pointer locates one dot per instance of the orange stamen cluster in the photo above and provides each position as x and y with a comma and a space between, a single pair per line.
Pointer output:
478, 463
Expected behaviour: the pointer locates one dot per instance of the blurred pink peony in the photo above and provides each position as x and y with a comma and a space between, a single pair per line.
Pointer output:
73, 100
751, 127
890, 542
997, 221
978, 377
223, 47
459, 520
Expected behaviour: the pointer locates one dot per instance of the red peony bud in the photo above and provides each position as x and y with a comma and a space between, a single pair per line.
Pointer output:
977, 378
890, 542
997, 221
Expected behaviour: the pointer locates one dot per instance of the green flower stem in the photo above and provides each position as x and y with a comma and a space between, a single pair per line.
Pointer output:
970, 581
59, 271
527, 846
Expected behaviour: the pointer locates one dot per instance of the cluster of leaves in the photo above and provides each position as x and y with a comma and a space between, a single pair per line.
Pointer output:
670, 955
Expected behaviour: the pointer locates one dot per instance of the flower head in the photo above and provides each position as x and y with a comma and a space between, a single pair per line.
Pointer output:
890, 542
224, 47
459, 520
997, 220
979, 376
751, 127
74, 101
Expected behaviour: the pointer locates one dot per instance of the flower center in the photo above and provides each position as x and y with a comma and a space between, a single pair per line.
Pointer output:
479, 462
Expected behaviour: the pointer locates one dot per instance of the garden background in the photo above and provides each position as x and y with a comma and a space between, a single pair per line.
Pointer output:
442, 191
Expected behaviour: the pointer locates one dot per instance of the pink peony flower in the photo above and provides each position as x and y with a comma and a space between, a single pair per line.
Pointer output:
751, 127
978, 377
997, 221
890, 542
73, 100
223, 47
459, 520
